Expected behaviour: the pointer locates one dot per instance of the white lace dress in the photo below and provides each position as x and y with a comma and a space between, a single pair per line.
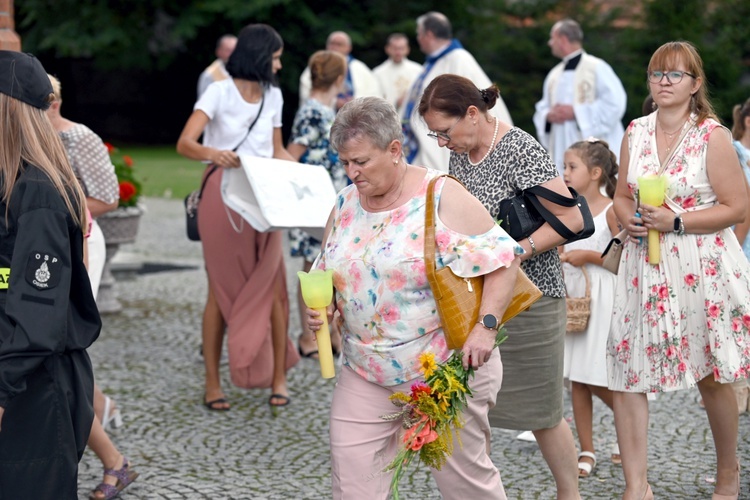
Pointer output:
586, 352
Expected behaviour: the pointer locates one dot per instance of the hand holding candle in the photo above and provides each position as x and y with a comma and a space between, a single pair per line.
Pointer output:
652, 189
317, 292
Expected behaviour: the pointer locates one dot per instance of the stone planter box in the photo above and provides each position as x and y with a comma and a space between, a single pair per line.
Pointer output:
119, 226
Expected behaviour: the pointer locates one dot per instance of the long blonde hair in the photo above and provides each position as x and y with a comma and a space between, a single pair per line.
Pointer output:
26, 135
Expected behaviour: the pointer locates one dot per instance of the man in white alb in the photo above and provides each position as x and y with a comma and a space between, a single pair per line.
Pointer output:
398, 72
217, 70
359, 81
444, 54
582, 97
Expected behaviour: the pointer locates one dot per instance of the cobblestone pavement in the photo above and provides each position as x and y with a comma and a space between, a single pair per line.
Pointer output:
147, 359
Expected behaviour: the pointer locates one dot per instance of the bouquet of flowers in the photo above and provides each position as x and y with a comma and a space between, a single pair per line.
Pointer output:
130, 188
431, 413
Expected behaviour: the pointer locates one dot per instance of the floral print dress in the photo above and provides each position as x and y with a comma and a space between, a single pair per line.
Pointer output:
688, 317
388, 311
312, 129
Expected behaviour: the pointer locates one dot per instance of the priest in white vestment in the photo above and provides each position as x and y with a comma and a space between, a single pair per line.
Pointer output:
445, 55
398, 72
359, 80
582, 97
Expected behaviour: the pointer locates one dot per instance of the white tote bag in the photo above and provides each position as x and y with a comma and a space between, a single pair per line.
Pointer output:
275, 194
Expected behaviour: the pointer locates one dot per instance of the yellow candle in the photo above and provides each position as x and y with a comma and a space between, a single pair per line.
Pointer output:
317, 292
651, 189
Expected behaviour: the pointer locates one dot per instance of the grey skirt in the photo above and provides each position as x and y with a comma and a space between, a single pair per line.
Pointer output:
531, 396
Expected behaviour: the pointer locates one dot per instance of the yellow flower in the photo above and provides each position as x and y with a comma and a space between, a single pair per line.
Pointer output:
427, 363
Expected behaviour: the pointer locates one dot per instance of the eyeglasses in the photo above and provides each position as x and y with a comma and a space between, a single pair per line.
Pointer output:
444, 135
673, 77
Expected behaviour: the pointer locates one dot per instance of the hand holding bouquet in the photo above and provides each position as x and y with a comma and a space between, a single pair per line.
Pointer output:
432, 412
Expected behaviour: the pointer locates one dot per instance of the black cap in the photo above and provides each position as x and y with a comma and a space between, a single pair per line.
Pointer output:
22, 77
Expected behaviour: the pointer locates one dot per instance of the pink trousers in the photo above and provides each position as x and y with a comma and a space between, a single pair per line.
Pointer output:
363, 444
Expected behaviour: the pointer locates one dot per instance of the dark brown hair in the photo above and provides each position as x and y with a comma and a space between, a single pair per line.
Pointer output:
596, 153
452, 95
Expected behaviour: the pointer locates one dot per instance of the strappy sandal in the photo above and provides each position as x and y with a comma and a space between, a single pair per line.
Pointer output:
124, 476
584, 468
111, 417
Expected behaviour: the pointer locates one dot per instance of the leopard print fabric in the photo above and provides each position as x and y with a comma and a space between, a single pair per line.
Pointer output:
517, 162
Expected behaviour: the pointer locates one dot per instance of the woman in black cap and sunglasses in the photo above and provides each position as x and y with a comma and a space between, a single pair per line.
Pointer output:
48, 316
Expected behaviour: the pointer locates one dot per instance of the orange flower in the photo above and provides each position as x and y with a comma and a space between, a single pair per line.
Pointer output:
128, 160
109, 147
419, 434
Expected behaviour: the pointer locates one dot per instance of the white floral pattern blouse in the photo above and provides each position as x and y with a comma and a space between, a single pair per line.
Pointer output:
389, 315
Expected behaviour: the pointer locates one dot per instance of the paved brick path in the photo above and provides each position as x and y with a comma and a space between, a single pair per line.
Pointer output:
147, 359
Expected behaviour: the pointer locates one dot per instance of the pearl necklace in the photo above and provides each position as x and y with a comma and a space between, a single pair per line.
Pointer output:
489, 150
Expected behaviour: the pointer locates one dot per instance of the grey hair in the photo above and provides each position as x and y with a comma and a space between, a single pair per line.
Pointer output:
437, 24
570, 30
371, 118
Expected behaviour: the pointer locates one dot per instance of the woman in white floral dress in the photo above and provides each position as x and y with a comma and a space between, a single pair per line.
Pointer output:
682, 322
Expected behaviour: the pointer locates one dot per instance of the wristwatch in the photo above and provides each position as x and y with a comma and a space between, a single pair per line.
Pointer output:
489, 321
679, 225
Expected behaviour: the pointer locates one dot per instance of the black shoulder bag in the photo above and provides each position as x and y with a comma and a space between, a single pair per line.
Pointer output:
193, 199
523, 214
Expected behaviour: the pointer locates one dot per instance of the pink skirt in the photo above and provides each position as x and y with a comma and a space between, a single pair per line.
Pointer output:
245, 269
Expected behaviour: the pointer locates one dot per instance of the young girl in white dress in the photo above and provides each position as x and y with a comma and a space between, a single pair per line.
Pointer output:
589, 166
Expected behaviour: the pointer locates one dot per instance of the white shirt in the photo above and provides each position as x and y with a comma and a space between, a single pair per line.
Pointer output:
396, 78
230, 116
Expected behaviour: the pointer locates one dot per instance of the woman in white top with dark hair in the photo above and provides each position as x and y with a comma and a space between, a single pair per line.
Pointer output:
246, 274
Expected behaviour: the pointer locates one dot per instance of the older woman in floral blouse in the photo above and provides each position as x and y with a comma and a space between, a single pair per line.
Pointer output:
375, 248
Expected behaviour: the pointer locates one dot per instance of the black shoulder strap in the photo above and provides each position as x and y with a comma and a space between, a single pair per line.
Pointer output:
548, 216
262, 101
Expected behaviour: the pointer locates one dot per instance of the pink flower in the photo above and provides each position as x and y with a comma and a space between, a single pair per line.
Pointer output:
660, 307
690, 279
663, 292
714, 310
346, 218
635, 282
399, 215
442, 239
684, 342
671, 352
396, 280
688, 202
390, 313
717, 375
719, 241
736, 324
682, 367
746, 320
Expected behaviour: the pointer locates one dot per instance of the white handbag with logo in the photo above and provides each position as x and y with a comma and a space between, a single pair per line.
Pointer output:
273, 194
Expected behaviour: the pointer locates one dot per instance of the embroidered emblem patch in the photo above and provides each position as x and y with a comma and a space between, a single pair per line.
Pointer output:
43, 270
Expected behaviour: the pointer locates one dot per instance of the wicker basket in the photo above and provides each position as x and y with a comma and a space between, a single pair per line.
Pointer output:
579, 308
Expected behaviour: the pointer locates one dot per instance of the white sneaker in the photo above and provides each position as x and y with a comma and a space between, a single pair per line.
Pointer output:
526, 436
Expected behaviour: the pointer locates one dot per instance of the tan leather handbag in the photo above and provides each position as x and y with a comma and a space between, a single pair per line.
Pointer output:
458, 299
